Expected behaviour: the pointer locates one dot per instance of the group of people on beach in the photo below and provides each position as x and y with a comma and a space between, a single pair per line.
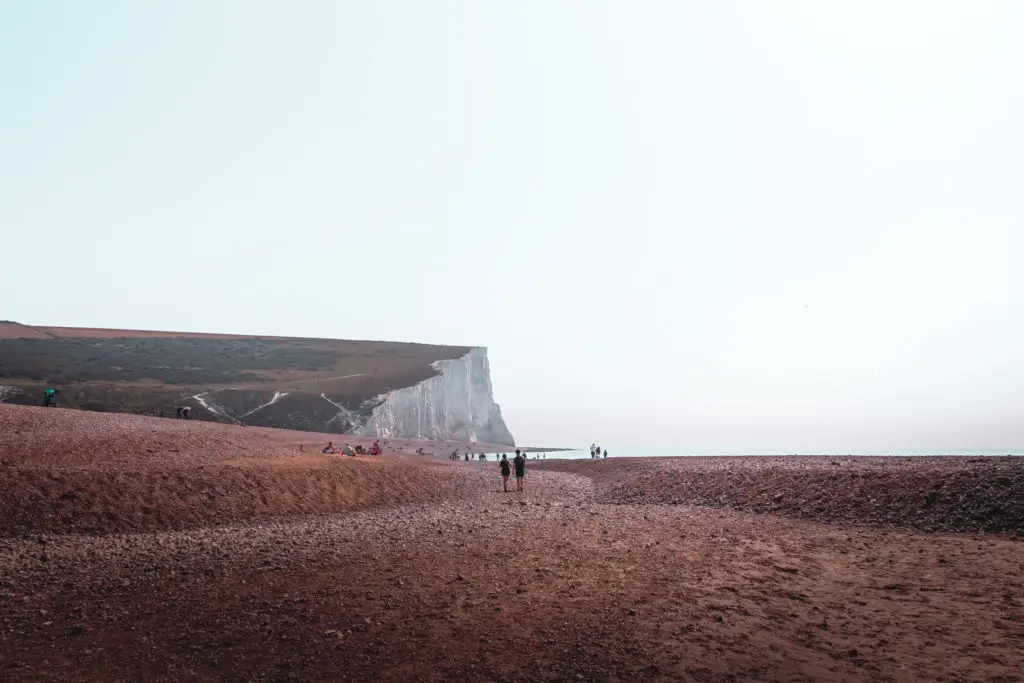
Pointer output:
518, 464
465, 456
481, 457
595, 451
348, 450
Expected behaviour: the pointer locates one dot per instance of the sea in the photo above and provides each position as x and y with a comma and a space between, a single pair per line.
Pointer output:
682, 452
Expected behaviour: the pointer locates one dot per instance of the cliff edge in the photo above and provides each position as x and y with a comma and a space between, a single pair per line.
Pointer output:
369, 388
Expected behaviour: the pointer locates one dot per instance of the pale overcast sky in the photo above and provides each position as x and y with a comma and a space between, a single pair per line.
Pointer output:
726, 226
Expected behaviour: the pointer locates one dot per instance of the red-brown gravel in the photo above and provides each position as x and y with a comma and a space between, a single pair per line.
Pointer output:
469, 583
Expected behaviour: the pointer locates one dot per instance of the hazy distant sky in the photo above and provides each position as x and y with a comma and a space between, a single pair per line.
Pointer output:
764, 226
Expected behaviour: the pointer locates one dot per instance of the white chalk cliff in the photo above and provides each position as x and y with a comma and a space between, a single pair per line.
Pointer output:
456, 404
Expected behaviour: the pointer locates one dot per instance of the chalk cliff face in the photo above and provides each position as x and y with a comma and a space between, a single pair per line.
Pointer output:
456, 404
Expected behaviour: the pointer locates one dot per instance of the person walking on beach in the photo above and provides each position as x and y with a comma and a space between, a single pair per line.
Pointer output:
520, 463
505, 471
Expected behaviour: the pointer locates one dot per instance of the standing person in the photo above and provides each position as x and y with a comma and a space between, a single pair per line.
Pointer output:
179, 413
606, 452
505, 471
592, 449
520, 463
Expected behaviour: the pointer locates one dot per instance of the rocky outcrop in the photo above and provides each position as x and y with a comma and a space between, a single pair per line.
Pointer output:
456, 404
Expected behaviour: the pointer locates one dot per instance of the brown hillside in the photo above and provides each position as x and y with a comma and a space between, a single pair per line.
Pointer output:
71, 471
266, 381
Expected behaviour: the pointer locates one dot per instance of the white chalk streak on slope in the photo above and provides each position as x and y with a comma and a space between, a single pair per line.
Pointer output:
203, 403
350, 416
277, 395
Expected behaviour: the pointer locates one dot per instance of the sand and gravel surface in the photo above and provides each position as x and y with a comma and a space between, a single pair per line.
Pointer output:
74, 471
438, 575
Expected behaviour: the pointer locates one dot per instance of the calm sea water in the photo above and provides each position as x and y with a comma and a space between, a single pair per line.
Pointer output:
668, 452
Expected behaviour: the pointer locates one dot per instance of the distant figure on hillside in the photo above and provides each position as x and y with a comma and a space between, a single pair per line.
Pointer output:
593, 449
520, 465
49, 398
506, 470
302, 448
606, 452
187, 412
178, 415
329, 449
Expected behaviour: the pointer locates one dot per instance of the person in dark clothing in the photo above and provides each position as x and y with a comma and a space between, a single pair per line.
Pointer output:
506, 470
606, 452
520, 466
178, 415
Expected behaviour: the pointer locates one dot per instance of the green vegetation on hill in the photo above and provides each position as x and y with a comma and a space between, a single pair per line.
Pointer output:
171, 360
